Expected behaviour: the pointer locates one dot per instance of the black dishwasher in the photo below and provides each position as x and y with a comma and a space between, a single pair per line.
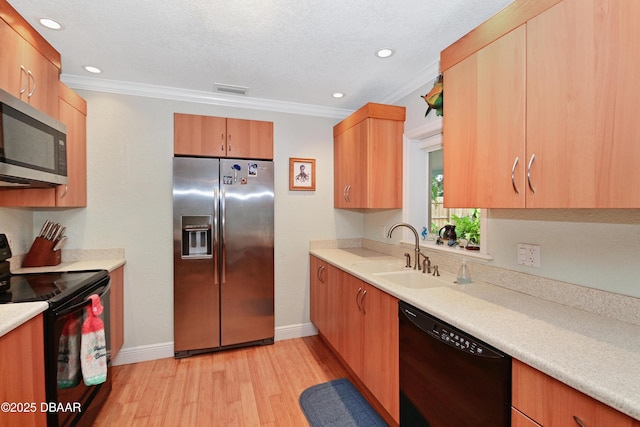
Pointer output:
449, 378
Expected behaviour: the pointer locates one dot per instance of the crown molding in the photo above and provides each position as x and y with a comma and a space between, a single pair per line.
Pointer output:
418, 81
202, 97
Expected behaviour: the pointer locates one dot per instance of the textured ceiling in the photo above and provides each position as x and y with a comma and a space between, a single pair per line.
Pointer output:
292, 51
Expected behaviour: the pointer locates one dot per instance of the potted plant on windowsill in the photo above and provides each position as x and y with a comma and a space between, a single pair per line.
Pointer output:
468, 228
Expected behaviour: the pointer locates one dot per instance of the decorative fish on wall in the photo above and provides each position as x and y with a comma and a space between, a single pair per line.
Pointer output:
435, 97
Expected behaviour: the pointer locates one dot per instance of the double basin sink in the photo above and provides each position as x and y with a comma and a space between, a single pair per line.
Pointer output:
403, 276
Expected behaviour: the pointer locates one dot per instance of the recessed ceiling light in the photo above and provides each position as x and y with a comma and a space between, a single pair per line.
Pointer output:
92, 69
50, 24
338, 95
384, 52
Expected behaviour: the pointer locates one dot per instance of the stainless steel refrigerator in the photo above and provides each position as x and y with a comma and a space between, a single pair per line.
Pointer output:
223, 253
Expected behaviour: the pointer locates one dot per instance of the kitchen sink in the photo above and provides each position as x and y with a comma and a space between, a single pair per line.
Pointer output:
416, 279
373, 267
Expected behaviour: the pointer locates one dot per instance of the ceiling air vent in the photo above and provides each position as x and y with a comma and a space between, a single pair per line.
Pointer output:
234, 90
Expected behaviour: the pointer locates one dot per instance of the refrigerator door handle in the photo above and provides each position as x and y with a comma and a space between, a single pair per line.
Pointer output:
215, 249
223, 252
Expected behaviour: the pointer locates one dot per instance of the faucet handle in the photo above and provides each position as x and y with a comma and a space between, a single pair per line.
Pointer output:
407, 258
435, 271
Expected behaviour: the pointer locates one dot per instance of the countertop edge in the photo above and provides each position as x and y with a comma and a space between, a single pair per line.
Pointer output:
532, 340
14, 315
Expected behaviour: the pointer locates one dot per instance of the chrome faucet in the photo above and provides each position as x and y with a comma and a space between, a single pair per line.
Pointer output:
417, 247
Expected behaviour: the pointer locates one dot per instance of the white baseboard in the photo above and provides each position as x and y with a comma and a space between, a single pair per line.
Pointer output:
162, 350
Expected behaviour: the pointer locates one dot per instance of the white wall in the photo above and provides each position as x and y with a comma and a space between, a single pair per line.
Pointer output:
130, 147
597, 248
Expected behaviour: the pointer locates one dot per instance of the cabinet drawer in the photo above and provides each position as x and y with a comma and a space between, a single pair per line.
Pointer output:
550, 402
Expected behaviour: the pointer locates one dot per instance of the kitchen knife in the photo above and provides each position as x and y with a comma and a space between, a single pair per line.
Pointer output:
44, 227
59, 233
47, 230
60, 243
52, 231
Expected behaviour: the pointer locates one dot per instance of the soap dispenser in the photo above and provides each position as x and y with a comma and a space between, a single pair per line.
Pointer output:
463, 273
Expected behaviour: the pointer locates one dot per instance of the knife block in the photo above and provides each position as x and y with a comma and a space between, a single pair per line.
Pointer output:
42, 254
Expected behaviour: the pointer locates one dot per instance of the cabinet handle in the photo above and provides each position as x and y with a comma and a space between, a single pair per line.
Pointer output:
222, 142
319, 273
533, 157
23, 72
344, 193
229, 143
513, 175
348, 193
357, 300
579, 421
32, 78
364, 294
66, 190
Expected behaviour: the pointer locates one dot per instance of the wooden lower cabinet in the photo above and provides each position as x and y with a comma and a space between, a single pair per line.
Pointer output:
116, 310
360, 322
22, 373
550, 402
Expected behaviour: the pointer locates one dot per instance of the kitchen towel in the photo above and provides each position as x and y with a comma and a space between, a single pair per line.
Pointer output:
69, 353
338, 404
93, 348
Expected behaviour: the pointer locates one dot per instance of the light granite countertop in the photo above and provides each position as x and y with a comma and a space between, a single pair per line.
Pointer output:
14, 315
592, 353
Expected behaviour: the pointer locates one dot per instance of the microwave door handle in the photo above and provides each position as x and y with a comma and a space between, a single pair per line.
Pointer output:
82, 304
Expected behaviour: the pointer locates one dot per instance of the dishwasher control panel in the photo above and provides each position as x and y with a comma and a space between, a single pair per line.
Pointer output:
447, 334
457, 339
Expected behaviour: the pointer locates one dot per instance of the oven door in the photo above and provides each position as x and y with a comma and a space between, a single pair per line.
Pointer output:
70, 401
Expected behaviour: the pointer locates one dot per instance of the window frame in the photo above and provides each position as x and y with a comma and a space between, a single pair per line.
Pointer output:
415, 139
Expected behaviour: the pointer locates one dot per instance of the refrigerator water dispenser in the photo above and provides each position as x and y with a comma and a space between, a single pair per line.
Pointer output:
196, 236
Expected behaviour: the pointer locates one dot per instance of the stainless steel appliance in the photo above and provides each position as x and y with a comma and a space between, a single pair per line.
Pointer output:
33, 146
223, 253
449, 378
66, 293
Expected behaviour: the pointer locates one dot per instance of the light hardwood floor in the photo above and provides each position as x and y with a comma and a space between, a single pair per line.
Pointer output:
255, 386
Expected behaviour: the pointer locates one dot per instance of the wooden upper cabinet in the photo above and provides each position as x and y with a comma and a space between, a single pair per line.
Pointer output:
367, 154
550, 402
582, 93
208, 136
249, 138
484, 126
73, 113
29, 66
576, 110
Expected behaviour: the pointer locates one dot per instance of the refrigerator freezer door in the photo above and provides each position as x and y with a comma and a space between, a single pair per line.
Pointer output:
247, 275
196, 289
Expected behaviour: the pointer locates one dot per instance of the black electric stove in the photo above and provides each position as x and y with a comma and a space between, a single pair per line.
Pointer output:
55, 288
68, 296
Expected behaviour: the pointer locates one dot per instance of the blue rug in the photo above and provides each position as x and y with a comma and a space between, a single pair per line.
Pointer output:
338, 404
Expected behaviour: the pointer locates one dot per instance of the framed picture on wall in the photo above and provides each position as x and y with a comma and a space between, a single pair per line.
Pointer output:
302, 174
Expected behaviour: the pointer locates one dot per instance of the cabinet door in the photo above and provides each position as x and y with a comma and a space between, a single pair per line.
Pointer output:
22, 373
384, 164
11, 76
484, 126
250, 139
350, 167
318, 293
582, 93
116, 310
195, 135
73, 111
42, 92
380, 344
349, 342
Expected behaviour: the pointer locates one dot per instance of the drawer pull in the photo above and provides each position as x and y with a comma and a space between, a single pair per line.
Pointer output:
357, 300
579, 421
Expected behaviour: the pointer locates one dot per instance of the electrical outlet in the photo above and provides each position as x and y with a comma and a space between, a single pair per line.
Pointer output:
529, 255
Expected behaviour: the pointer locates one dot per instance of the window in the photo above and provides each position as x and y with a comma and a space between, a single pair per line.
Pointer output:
424, 180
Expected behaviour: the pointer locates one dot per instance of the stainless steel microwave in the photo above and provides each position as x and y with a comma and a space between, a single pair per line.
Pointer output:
33, 146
